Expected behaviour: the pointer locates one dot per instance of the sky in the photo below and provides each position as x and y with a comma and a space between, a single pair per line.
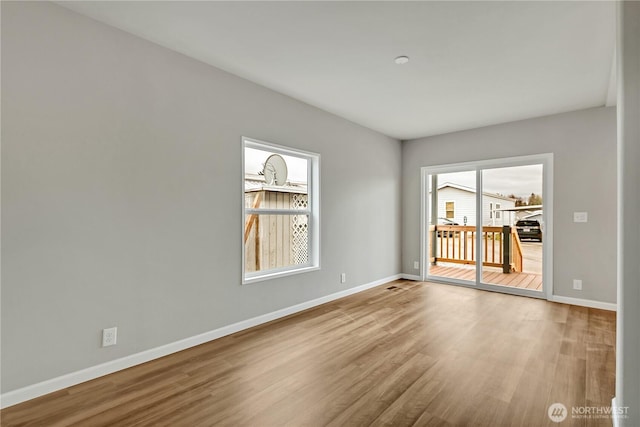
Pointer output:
518, 180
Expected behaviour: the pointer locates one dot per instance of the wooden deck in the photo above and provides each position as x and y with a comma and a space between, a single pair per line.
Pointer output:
514, 280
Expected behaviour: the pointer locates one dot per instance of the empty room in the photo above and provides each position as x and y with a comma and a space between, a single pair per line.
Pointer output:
312, 213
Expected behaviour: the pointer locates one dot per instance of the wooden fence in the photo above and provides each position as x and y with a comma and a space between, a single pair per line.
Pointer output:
275, 241
457, 244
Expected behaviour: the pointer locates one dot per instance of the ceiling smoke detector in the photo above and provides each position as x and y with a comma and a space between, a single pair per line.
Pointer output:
401, 60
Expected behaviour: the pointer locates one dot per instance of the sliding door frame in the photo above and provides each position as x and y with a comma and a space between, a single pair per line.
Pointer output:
546, 160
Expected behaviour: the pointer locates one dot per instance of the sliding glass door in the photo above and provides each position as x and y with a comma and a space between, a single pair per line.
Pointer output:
487, 224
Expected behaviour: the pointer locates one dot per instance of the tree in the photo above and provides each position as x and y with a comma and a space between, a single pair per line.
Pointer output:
519, 200
535, 199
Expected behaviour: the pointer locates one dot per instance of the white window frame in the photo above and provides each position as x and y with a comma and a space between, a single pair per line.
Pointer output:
498, 216
313, 211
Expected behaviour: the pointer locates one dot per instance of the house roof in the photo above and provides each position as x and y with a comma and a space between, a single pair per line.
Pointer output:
471, 190
532, 215
532, 208
254, 183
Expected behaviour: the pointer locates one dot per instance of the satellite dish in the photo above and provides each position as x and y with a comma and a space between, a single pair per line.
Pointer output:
275, 170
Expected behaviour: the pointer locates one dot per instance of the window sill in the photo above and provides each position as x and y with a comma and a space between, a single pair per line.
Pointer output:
277, 274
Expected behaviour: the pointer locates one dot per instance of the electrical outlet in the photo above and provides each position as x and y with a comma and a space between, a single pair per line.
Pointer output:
416, 265
109, 336
343, 277
577, 284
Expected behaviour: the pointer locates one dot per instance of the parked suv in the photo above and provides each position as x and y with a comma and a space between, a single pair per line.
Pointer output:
446, 221
529, 229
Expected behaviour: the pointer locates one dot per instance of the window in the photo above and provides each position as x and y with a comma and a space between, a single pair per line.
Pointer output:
449, 212
280, 209
490, 210
498, 211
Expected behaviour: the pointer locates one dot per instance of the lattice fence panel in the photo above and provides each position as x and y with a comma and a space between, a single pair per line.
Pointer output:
299, 231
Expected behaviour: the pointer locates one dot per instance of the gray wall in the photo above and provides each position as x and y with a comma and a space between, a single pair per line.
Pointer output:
584, 147
121, 194
628, 333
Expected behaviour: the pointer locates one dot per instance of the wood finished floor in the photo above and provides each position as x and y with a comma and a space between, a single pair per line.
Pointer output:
513, 280
421, 354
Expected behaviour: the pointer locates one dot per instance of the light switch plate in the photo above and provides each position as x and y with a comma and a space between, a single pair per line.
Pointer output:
580, 217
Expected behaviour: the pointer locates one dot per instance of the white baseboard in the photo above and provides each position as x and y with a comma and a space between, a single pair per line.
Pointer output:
39, 389
584, 302
554, 298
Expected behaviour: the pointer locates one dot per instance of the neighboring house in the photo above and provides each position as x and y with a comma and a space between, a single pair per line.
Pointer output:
457, 203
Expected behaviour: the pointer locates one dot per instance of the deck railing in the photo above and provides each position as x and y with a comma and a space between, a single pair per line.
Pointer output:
516, 250
457, 244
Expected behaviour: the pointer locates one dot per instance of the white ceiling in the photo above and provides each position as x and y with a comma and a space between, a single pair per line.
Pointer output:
472, 63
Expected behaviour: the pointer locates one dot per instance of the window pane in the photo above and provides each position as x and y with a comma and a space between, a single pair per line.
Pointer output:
513, 258
268, 176
450, 212
275, 241
452, 237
